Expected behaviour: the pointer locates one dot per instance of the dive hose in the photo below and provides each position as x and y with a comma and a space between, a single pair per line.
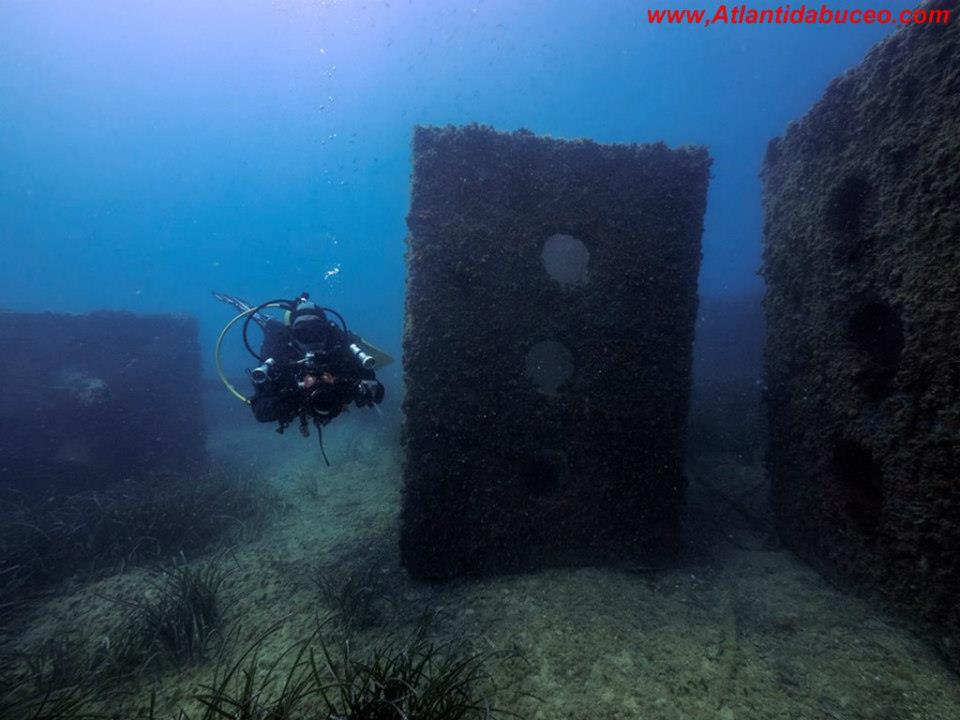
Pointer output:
223, 333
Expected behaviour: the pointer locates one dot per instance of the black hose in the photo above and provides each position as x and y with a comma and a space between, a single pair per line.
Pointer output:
320, 438
343, 323
290, 305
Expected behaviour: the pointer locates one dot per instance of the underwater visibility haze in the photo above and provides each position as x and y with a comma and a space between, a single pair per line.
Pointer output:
612, 361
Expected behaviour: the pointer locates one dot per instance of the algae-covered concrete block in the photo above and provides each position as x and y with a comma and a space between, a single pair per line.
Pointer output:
88, 400
551, 301
862, 263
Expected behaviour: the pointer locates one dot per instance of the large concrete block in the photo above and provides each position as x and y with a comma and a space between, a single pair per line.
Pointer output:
862, 263
88, 400
550, 310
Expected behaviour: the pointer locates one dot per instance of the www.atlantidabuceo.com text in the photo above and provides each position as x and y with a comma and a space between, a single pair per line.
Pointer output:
798, 15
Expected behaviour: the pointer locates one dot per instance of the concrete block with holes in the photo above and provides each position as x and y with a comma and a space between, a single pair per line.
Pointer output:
551, 301
87, 401
862, 264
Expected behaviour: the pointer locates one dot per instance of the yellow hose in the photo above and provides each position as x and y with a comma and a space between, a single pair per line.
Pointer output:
216, 352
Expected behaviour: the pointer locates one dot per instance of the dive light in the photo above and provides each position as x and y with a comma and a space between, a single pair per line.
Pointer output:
261, 374
366, 361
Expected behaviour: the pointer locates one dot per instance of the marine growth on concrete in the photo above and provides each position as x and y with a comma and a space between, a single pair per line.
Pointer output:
862, 264
87, 401
551, 301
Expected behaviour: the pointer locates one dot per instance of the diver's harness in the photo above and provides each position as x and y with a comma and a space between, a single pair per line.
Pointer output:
306, 408
269, 369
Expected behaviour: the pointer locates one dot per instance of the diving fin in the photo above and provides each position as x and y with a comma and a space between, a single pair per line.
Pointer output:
242, 306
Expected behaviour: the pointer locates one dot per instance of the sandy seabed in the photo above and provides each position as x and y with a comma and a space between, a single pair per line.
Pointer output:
738, 629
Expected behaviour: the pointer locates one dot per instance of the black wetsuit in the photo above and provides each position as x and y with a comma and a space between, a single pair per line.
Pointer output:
281, 399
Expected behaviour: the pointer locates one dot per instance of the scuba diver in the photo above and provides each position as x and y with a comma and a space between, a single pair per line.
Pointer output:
311, 366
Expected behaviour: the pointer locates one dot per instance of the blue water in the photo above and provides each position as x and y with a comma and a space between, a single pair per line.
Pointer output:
153, 151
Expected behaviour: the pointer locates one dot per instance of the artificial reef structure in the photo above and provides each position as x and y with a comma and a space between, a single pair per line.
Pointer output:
87, 401
862, 265
551, 300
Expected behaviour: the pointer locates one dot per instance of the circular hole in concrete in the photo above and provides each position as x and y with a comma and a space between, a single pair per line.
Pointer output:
860, 484
844, 216
875, 330
549, 365
566, 259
